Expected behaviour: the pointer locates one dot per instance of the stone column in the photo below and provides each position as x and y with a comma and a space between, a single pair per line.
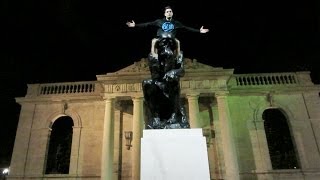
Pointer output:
36, 163
315, 125
118, 139
303, 138
260, 149
22, 141
312, 104
228, 146
193, 105
137, 134
107, 144
74, 158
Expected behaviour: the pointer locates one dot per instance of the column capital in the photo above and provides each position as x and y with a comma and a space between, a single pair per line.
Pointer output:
193, 95
106, 96
221, 94
137, 96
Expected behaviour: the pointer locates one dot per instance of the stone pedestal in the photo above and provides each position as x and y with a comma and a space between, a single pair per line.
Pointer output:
171, 154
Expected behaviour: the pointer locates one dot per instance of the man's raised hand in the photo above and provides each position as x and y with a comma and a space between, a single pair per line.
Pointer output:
131, 24
202, 30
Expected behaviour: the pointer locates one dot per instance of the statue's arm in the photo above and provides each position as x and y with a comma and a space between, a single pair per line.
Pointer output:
180, 65
175, 74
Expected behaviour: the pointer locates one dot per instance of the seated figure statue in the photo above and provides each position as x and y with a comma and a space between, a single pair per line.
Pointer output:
162, 90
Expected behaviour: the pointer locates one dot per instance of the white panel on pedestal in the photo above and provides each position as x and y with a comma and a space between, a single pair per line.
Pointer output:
174, 154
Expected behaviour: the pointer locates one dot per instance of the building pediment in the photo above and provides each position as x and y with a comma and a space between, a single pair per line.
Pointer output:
139, 71
139, 66
142, 66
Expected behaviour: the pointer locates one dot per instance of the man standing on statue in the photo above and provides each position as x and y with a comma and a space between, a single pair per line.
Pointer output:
162, 91
167, 24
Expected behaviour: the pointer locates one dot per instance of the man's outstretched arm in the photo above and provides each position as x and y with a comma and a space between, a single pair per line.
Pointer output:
201, 30
133, 24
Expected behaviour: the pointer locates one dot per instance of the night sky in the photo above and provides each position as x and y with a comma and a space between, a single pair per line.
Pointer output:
74, 40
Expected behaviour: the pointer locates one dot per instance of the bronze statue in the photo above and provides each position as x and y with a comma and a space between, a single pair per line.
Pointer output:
162, 90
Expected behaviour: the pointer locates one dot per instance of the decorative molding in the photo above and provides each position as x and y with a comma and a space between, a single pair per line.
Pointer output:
185, 85
123, 88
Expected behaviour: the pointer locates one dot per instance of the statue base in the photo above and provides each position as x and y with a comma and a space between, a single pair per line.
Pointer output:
171, 154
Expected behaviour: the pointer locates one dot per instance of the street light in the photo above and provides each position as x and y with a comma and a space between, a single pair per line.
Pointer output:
5, 171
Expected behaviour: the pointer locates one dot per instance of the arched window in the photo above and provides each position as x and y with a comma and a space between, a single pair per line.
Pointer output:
58, 157
281, 148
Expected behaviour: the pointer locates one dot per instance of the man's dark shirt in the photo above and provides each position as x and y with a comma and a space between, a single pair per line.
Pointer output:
164, 25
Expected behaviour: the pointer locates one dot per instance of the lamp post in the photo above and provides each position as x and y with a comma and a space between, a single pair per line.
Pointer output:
128, 137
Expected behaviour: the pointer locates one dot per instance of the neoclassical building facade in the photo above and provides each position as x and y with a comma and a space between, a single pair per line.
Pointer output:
257, 126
